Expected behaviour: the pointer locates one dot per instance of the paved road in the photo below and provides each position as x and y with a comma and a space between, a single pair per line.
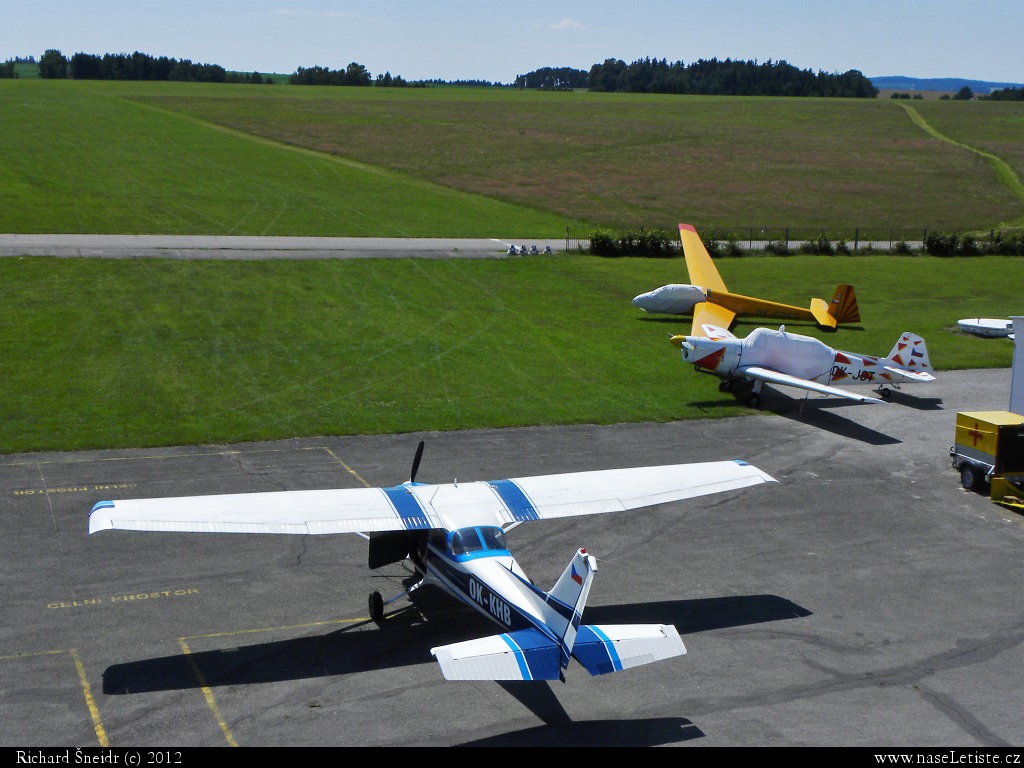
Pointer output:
189, 247
863, 600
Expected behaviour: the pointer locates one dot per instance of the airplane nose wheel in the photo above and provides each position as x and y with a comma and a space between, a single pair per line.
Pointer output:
376, 605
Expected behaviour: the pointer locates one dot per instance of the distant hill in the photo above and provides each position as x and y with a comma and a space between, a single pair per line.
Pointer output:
946, 84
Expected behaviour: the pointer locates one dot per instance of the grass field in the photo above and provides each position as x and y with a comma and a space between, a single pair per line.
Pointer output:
187, 158
113, 353
120, 353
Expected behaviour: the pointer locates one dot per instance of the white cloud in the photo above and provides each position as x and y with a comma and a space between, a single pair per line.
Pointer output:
311, 13
566, 24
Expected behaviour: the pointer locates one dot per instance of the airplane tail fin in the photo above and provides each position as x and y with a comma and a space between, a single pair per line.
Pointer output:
842, 309
532, 654
529, 654
911, 354
568, 598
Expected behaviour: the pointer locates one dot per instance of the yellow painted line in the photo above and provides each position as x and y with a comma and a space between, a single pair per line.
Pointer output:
30, 655
234, 632
347, 468
211, 701
207, 693
90, 702
112, 459
83, 679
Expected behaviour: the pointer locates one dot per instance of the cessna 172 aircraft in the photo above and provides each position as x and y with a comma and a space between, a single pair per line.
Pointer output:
712, 304
454, 536
793, 360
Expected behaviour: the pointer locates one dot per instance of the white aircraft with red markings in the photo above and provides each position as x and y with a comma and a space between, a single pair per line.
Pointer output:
767, 356
454, 535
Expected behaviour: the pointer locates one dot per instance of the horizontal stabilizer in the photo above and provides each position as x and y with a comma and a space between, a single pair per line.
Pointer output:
912, 375
613, 647
821, 316
524, 655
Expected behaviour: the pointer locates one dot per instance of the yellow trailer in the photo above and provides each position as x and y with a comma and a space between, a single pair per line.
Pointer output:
989, 453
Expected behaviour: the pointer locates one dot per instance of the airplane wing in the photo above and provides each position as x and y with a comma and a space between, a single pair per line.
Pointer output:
703, 272
711, 316
699, 265
423, 506
348, 510
716, 332
774, 377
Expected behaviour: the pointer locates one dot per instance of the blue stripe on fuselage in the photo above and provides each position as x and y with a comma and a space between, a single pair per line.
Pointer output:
408, 507
479, 595
513, 497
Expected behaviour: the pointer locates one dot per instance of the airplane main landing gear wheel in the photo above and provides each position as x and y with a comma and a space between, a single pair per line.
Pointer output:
885, 393
754, 400
724, 385
376, 606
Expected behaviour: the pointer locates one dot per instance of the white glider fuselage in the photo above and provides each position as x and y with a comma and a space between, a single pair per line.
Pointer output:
672, 299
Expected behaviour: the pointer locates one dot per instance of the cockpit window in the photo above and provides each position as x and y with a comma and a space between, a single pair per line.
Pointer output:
466, 541
494, 538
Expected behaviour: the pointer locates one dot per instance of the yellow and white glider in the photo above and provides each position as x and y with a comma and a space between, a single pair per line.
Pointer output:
712, 304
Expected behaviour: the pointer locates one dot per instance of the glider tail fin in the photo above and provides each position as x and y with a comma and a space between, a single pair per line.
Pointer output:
842, 309
911, 353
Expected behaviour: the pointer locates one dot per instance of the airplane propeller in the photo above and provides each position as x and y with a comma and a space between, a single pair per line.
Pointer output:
416, 462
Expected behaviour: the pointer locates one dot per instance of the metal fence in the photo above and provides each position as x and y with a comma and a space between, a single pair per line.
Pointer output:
792, 238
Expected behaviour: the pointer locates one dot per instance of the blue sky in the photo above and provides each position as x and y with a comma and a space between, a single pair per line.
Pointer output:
496, 41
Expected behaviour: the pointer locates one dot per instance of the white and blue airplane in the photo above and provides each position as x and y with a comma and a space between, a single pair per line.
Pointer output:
454, 536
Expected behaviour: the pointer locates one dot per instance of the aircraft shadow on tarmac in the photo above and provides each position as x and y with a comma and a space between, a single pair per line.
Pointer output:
822, 412
404, 638
596, 733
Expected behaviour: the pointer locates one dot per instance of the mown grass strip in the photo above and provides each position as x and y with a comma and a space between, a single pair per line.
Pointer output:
113, 353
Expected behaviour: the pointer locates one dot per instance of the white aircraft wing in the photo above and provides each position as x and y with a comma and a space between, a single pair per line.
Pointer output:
775, 377
349, 510
423, 506
611, 490
912, 375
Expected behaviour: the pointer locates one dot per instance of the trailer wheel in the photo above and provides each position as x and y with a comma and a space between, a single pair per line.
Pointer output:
970, 477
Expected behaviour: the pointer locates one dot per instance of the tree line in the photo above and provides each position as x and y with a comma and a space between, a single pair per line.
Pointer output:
726, 78
1007, 94
136, 66
705, 76
141, 66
